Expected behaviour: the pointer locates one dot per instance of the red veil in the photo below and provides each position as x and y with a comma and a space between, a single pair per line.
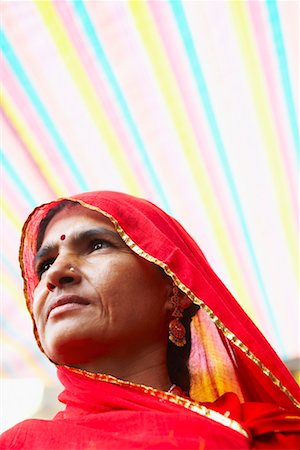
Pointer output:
228, 352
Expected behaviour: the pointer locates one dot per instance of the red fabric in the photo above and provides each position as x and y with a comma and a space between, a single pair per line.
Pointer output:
268, 425
100, 414
119, 417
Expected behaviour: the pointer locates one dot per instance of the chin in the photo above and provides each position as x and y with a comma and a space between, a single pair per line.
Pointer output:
69, 351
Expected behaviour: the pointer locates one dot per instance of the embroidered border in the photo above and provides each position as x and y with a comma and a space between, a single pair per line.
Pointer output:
177, 400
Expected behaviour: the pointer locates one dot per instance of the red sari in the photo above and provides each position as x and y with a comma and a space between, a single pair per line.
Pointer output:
241, 396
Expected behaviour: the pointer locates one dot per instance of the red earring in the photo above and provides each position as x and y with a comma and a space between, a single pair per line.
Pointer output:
63, 237
176, 328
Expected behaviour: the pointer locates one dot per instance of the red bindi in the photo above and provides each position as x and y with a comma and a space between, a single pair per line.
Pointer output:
63, 237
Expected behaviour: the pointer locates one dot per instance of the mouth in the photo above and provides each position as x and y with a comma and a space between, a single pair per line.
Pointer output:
66, 303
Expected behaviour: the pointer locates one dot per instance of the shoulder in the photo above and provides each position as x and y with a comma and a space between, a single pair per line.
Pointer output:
26, 435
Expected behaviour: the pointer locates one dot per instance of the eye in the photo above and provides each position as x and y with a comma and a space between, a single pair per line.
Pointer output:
44, 266
98, 244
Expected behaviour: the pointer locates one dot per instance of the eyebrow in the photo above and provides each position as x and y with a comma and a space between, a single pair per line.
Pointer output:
76, 239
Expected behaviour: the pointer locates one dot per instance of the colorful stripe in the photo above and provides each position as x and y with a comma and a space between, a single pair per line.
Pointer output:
101, 57
41, 109
283, 67
268, 132
150, 79
16, 179
78, 74
183, 28
32, 146
165, 80
281, 123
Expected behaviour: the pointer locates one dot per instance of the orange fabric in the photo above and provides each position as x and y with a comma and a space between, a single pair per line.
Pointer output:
222, 336
217, 375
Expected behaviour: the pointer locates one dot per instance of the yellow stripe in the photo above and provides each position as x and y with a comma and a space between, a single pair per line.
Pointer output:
168, 89
78, 74
248, 51
11, 215
32, 146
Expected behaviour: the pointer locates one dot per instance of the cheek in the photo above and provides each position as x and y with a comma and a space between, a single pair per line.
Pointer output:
137, 284
119, 280
39, 297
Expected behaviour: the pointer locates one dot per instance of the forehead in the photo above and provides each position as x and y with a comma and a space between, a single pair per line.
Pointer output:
75, 219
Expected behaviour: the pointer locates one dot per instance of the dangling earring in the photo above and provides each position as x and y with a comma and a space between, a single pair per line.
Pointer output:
176, 328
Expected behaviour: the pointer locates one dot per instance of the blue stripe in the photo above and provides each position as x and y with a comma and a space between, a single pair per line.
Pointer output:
16, 180
183, 27
102, 58
41, 110
283, 66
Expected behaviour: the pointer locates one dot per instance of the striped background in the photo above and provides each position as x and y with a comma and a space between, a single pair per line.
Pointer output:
191, 104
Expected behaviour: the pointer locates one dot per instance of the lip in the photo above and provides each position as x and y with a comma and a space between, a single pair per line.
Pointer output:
69, 300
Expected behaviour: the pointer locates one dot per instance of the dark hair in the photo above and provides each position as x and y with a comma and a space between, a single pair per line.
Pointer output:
177, 357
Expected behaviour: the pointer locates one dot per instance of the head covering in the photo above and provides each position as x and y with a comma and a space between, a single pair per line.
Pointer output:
228, 352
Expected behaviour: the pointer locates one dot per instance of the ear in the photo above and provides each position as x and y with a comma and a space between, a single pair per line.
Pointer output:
184, 301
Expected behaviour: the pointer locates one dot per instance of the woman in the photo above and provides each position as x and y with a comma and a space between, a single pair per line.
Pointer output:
108, 279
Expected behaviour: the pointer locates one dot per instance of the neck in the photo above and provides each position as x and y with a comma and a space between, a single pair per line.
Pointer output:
148, 368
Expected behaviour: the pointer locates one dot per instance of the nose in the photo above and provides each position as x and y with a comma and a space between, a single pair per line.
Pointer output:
61, 274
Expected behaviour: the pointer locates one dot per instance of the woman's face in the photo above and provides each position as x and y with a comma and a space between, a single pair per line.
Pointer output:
110, 303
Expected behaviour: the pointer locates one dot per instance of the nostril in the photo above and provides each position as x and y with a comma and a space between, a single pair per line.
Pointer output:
65, 280
50, 286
